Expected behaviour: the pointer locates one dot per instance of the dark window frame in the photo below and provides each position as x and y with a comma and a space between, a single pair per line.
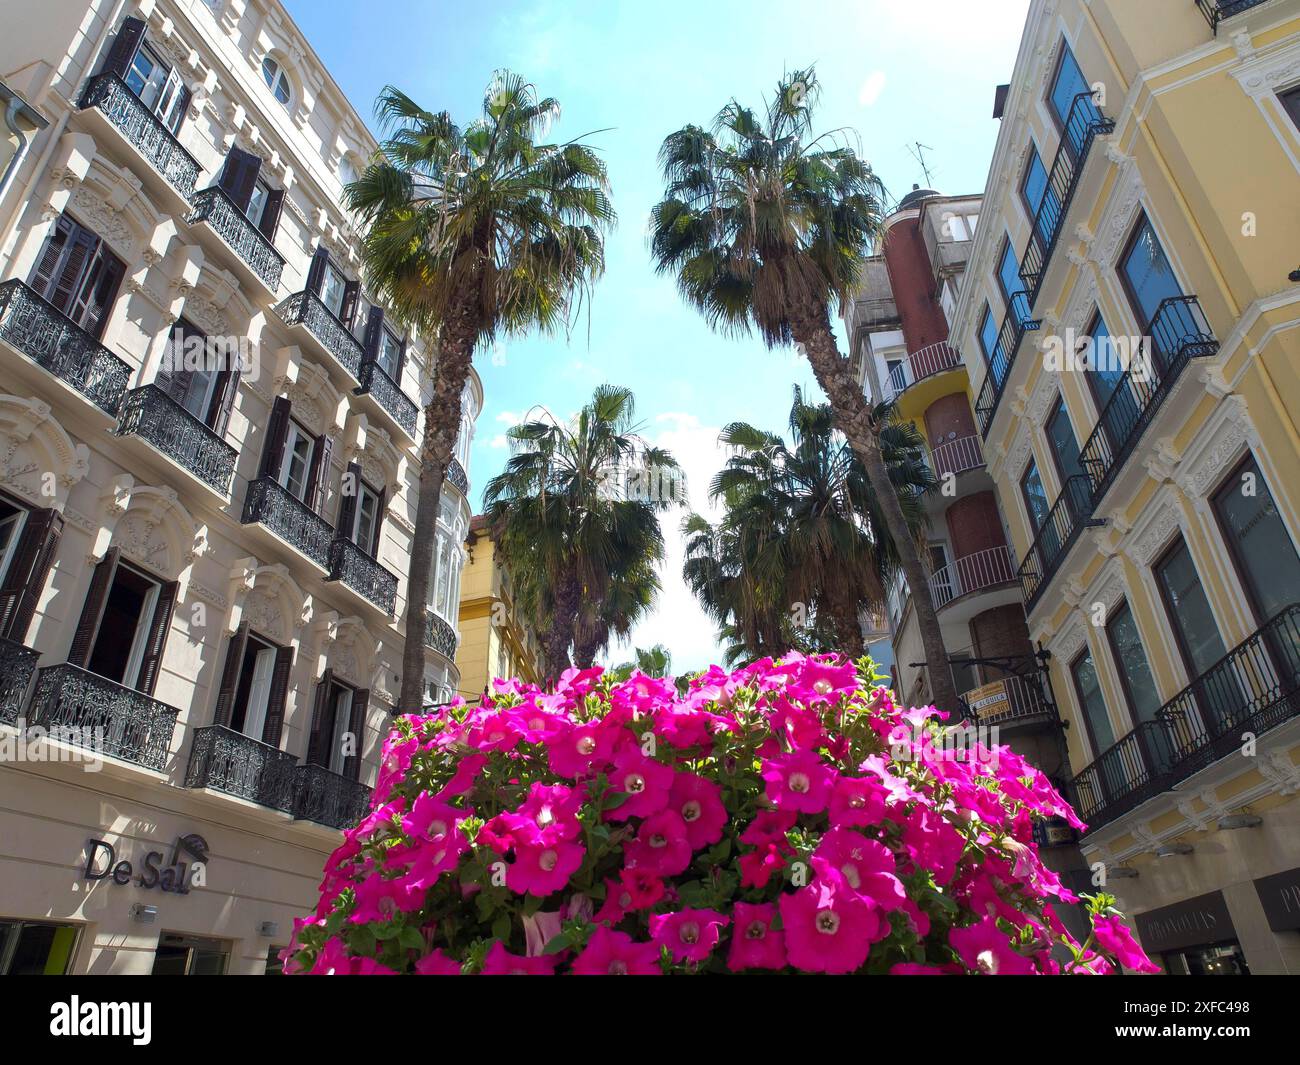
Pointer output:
1130, 702
1032, 465
1289, 100
1142, 221
1073, 667
1184, 652
1060, 407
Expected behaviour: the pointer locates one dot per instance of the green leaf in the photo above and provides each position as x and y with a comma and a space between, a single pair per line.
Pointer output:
501, 927
614, 799
561, 942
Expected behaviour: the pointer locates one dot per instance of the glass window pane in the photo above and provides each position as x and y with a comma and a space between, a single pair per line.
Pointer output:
1067, 85
1147, 273
1131, 661
1035, 496
1088, 686
331, 290
1009, 272
1265, 555
1189, 610
1106, 367
1064, 444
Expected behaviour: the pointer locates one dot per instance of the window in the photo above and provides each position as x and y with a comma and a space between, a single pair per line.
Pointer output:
1290, 101
369, 516
257, 202
1009, 272
12, 520
1105, 371
276, 80
389, 355
1087, 686
347, 171
1067, 84
36, 948
332, 289
158, 86
180, 955
191, 381
943, 577
1040, 200
1065, 447
1189, 610
988, 337
1148, 278
337, 727
78, 275
361, 318
296, 466
253, 689
1035, 496
274, 966
1131, 662
1258, 541
241, 180
119, 646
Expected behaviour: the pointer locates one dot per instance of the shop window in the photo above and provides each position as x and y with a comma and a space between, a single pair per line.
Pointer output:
36, 948
181, 955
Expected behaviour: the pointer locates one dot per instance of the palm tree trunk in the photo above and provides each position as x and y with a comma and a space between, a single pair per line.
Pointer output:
812, 329
843, 610
568, 596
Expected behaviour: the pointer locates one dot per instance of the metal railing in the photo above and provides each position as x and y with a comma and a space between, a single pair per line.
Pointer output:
145, 131
272, 505
1026, 702
1069, 516
363, 574
440, 636
972, 573
328, 798
957, 456
306, 309
1015, 323
103, 715
1253, 688
1215, 11
17, 667
925, 362
218, 210
151, 414
456, 475
47, 337
229, 761
389, 395
1179, 332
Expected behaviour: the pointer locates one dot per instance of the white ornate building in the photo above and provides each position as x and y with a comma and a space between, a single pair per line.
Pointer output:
208, 457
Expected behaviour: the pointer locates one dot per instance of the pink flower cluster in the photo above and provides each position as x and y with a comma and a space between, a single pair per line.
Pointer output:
786, 816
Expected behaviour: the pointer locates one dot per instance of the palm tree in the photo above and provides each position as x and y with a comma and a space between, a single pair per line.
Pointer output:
767, 228
656, 661
633, 588
568, 510
472, 231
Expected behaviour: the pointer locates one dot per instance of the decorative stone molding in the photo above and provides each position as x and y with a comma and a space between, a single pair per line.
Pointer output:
1154, 532
155, 530
268, 598
38, 460
1070, 640
1283, 774
1119, 214
317, 404
1161, 464
1107, 589
1220, 443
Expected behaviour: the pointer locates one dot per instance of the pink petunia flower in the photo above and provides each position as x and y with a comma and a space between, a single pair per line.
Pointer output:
799, 781
500, 962
699, 801
661, 846
645, 781
754, 943
985, 949
540, 869
857, 801
436, 963
610, 953
867, 865
829, 928
1114, 938
690, 935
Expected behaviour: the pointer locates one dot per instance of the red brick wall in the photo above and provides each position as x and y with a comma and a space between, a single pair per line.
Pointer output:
1000, 631
974, 525
948, 418
911, 277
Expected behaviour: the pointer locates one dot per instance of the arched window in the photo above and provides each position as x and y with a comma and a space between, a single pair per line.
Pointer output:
347, 171
276, 80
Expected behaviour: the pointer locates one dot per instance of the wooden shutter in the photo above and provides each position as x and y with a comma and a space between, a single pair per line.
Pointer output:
357, 726
26, 577
180, 109
320, 473
93, 609
319, 737
270, 221
159, 627
48, 262
380, 504
401, 364
239, 175
223, 399
374, 331
279, 694
348, 502
348, 308
126, 42
230, 675
316, 272
90, 308
277, 431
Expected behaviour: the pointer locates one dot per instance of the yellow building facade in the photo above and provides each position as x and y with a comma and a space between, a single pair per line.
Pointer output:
495, 639
1130, 320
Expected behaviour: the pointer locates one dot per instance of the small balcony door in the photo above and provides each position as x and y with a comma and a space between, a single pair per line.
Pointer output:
78, 275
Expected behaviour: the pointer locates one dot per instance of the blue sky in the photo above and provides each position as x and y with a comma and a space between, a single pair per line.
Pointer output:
893, 72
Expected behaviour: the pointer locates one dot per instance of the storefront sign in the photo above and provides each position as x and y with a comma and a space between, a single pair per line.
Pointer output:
1191, 923
1279, 894
176, 876
988, 701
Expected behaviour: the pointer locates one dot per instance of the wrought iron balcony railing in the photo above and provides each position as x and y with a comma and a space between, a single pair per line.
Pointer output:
1023, 701
213, 206
328, 798
1179, 332
389, 395
229, 761
289, 518
306, 309
440, 636
95, 712
49, 339
1069, 516
1015, 323
1215, 11
957, 456
1083, 125
151, 414
1253, 688
17, 665
972, 573
456, 475
143, 129
926, 362
361, 573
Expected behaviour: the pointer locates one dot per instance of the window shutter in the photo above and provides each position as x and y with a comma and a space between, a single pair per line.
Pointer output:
348, 503
318, 738
239, 175
68, 273
277, 431
126, 42
26, 577
93, 609
374, 330
401, 364
159, 627
98, 290
379, 522
270, 222
172, 376
320, 472
223, 402
316, 272
348, 309
279, 694
230, 675
46, 268
180, 108
357, 726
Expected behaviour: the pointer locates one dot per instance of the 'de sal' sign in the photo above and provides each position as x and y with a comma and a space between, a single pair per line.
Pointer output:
176, 876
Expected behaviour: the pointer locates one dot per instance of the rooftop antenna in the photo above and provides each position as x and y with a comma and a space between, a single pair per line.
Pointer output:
918, 151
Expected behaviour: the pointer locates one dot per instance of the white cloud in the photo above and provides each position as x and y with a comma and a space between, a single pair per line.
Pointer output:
872, 88
509, 419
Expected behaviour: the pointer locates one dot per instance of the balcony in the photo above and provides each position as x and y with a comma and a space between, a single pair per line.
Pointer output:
349, 564
389, 396
456, 475
109, 718
248, 251
306, 311
230, 762
143, 130
328, 798
971, 574
1253, 688
295, 523
1216, 11
36, 329
153, 416
17, 666
927, 362
1069, 516
1083, 125
440, 636
1178, 333
957, 456
1015, 323
1022, 701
